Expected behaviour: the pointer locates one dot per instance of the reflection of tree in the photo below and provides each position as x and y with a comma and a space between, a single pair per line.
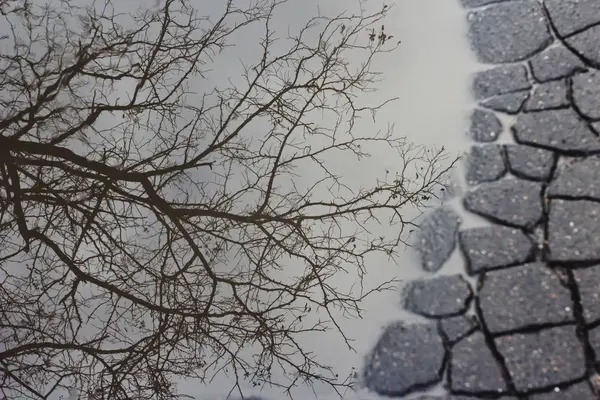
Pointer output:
149, 231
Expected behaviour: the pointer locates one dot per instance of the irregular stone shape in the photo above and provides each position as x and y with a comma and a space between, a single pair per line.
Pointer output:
406, 357
594, 339
437, 238
522, 297
510, 103
501, 80
588, 282
473, 368
485, 126
587, 45
543, 359
511, 201
485, 163
578, 391
455, 328
569, 16
563, 130
580, 178
487, 248
573, 229
554, 63
586, 93
549, 95
441, 296
530, 162
495, 39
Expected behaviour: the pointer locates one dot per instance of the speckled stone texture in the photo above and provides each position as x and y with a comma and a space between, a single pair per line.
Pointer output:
586, 44
530, 162
485, 163
443, 296
509, 103
455, 328
406, 357
523, 297
511, 201
578, 178
548, 96
437, 238
485, 126
586, 93
555, 62
543, 359
578, 391
569, 16
588, 284
500, 80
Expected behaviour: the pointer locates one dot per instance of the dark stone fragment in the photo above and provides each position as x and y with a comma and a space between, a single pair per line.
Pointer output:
523, 297
548, 95
473, 368
485, 126
495, 39
578, 391
588, 282
485, 163
510, 103
586, 93
511, 201
563, 130
406, 357
455, 328
501, 80
577, 179
493, 247
569, 16
441, 296
543, 359
573, 231
530, 162
554, 63
437, 238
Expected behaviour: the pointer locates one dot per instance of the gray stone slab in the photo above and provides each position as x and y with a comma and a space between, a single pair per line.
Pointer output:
573, 231
569, 16
530, 162
594, 339
436, 238
485, 163
555, 62
442, 296
488, 248
549, 95
578, 391
561, 130
473, 368
511, 201
406, 357
587, 45
495, 39
577, 179
586, 92
588, 282
455, 328
543, 359
485, 126
509, 103
504, 79
523, 297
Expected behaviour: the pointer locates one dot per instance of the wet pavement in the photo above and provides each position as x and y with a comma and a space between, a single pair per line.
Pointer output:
523, 319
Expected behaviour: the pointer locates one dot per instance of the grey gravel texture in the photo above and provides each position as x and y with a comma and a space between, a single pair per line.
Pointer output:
569, 16
485, 126
586, 93
509, 103
587, 45
547, 96
500, 80
579, 178
455, 328
588, 283
437, 238
555, 62
530, 162
485, 163
442, 296
523, 297
578, 391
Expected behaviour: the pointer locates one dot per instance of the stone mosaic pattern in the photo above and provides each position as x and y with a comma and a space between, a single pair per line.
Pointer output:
524, 320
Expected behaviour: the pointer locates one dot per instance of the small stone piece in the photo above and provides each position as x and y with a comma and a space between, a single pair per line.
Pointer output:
495, 41
522, 297
473, 368
437, 238
455, 328
578, 391
543, 359
442, 296
586, 93
554, 63
511, 201
563, 130
487, 248
406, 357
530, 162
501, 80
485, 126
547, 96
510, 103
485, 163
573, 229
587, 45
569, 16
588, 281
578, 179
